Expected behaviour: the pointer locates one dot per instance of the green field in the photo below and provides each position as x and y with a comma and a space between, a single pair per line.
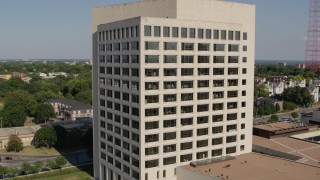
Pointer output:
74, 173
35, 151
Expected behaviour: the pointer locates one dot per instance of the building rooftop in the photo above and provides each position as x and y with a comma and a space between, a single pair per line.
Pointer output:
309, 152
258, 167
73, 105
279, 126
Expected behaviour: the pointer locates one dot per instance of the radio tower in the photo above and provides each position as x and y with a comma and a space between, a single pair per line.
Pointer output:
312, 54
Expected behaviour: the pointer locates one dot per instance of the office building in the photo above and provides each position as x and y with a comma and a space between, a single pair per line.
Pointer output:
172, 84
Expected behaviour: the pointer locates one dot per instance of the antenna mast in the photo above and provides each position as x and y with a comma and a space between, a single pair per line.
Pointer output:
312, 54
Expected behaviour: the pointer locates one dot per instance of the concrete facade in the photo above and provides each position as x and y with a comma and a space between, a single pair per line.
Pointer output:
26, 134
164, 99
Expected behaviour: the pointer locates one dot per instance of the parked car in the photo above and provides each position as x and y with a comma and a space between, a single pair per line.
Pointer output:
8, 158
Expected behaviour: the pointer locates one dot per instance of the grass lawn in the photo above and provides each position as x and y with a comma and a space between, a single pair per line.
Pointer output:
71, 176
74, 173
33, 150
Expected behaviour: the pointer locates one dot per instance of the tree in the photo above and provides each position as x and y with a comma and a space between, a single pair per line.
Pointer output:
22, 99
43, 113
267, 110
14, 144
37, 166
84, 96
45, 137
43, 96
27, 168
298, 95
3, 171
277, 107
261, 91
13, 172
274, 118
51, 164
60, 162
13, 116
261, 111
289, 105
294, 114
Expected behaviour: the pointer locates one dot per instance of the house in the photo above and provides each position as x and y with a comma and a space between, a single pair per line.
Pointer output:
315, 93
275, 87
262, 102
5, 76
259, 80
295, 83
22, 76
278, 79
70, 110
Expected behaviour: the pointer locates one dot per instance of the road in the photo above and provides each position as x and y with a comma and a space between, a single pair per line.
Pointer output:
73, 158
265, 119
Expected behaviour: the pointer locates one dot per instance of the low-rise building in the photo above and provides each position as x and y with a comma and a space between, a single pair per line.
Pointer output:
248, 166
5, 76
259, 80
294, 83
281, 129
277, 79
314, 91
283, 64
70, 109
275, 87
262, 102
26, 134
301, 66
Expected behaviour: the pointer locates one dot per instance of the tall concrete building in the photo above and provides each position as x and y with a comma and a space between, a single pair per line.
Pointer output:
172, 84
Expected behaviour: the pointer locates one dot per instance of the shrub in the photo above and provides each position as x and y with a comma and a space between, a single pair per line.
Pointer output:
294, 114
274, 118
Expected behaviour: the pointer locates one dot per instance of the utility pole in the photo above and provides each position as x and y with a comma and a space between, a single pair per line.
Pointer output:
1, 122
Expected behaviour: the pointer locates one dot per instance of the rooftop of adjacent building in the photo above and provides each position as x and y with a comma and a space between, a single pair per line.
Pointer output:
307, 135
72, 104
27, 130
259, 167
308, 151
280, 126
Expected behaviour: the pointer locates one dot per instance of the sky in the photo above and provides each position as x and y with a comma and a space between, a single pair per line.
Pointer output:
61, 29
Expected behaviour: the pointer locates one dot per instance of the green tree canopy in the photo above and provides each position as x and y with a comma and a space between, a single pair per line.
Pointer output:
289, 105
23, 99
277, 107
37, 166
294, 114
14, 144
45, 137
43, 113
26, 167
274, 118
51, 164
298, 95
43, 96
13, 116
3, 170
61, 161
261, 91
